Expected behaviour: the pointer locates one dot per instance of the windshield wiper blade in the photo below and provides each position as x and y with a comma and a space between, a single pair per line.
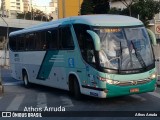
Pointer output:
138, 55
119, 55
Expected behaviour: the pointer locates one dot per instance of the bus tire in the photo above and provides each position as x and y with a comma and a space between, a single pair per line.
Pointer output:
71, 87
25, 80
77, 92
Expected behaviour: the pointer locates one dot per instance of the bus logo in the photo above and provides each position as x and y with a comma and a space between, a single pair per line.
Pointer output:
134, 82
71, 62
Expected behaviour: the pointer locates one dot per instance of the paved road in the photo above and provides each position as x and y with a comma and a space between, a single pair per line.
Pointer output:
18, 98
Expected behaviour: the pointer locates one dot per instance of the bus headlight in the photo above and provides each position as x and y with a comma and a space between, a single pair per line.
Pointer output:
114, 82
109, 81
153, 76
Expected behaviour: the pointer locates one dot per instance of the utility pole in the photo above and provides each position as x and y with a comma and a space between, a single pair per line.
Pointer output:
2, 8
31, 10
64, 8
79, 7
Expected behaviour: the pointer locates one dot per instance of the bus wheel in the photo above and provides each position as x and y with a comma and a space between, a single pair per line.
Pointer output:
77, 92
25, 80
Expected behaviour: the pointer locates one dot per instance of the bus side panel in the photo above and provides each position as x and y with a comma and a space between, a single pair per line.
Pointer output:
52, 70
15, 65
29, 61
77, 67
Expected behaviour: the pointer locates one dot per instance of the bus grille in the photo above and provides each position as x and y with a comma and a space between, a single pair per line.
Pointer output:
134, 82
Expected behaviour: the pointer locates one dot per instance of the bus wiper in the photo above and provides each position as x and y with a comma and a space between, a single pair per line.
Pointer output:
119, 55
138, 55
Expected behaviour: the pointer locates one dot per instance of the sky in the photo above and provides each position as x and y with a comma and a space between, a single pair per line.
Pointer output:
42, 2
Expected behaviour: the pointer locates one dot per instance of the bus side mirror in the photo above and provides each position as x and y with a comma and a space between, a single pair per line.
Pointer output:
95, 38
152, 37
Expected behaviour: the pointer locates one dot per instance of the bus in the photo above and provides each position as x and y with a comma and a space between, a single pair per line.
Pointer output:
97, 55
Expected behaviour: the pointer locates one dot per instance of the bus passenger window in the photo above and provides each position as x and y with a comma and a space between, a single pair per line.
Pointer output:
52, 39
85, 43
30, 42
66, 41
90, 56
21, 43
43, 40
40, 41
12, 43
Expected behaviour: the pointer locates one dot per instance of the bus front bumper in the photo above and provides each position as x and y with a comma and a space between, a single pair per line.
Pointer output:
114, 91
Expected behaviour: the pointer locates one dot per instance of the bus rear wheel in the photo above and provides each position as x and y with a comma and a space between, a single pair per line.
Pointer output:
25, 80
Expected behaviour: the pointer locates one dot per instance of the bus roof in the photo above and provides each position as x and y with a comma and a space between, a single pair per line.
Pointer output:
106, 20
93, 20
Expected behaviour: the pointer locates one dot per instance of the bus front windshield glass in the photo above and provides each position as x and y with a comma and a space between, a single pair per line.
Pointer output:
124, 48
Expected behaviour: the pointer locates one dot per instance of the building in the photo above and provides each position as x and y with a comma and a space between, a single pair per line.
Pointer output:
26, 5
54, 13
0, 4
10, 8
49, 10
67, 8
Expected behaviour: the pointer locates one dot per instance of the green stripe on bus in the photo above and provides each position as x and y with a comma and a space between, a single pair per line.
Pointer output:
46, 65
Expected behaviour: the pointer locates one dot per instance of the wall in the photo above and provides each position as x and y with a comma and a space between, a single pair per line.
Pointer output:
18, 23
71, 8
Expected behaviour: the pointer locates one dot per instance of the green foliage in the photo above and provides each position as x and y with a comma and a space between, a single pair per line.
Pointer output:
145, 9
95, 7
101, 6
87, 7
115, 11
34, 15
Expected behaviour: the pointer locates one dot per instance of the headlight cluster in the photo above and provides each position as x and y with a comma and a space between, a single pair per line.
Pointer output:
109, 81
112, 82
153, 76
116, 82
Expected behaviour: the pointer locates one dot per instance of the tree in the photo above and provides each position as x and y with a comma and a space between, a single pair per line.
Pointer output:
34, 15
128, 4
95, 7
145, 9
115, 11
87, 7
101, 6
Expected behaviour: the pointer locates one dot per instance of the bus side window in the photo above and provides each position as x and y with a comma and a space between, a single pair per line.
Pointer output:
89, 48
30, 42
52, 39
21, 42
43, 43
40, 40
66, 39
13, 43
85, 42
80, 30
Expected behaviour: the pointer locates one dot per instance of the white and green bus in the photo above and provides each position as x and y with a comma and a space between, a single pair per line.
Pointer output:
97, 55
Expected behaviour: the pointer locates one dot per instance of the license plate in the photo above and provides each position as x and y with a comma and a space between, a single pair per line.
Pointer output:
133, 90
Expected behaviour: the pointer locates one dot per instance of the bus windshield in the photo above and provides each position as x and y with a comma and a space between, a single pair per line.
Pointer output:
126, 48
